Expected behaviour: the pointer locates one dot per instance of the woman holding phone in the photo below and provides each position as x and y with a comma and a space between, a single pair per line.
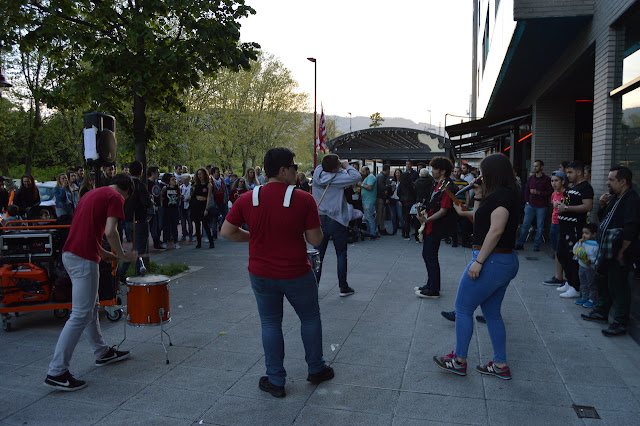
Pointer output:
493, 265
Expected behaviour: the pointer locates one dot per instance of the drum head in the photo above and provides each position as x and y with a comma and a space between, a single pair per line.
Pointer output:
148, 280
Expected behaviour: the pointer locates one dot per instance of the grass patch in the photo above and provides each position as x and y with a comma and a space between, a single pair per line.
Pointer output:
155, 268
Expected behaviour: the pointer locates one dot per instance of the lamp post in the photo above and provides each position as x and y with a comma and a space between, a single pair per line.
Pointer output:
315, 110
430, 126
349, 122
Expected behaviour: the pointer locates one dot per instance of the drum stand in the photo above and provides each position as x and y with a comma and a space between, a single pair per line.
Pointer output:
162, 332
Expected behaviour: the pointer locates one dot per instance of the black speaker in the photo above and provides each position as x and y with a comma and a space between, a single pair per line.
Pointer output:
100, 143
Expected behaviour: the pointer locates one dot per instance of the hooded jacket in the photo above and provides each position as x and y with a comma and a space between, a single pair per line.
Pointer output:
334, 203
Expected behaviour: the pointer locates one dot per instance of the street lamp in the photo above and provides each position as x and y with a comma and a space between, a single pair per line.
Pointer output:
349, 122
315, 109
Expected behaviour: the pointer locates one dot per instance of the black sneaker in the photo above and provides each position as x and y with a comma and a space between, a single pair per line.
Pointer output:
323, 375
595, 316
451, 316
615, 329
266, 386
428, 294
346, 291
553, 281
424, 287
65, 382
112, 356
481, 318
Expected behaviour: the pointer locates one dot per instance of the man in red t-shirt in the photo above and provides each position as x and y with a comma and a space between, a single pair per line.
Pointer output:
97, 214
440, 222
280, 218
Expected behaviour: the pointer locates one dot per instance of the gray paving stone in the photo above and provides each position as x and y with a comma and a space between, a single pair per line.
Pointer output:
210, 357
438, 382
199, 379
370, 357
51, 410
108, 393
128, 417
328, 416
611, 417
386, 377
521, 413
130, 370
298, 390
447, 409
171, 402
602, 398
232, 410
13, 401
544, 393
356, 398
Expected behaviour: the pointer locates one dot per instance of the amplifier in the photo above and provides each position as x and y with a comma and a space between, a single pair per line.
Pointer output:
24, 244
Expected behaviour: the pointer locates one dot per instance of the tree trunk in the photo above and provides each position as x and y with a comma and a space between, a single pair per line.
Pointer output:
140, 129
33, 136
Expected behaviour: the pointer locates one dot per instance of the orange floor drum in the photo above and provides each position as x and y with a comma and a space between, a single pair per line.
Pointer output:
148, 300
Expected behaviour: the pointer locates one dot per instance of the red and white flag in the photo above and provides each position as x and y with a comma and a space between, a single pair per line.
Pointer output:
321, 143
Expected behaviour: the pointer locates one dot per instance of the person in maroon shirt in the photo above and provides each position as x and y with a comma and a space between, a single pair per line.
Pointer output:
536, 194
280, 219
97, 214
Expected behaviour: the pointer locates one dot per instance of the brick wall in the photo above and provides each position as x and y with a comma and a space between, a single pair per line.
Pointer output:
529, 9
553, 127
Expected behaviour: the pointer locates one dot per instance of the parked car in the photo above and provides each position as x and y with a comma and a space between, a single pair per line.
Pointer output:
47, 197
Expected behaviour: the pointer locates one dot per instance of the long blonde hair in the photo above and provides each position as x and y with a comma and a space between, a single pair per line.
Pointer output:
247, 179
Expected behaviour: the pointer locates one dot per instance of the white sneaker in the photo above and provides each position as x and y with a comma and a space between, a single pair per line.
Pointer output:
176, 245
571, 293
564, 287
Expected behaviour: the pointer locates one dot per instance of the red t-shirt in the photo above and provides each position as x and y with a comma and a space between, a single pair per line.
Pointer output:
445, 203
277, 248
90, 219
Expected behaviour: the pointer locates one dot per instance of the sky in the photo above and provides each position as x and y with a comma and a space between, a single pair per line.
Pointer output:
400, 58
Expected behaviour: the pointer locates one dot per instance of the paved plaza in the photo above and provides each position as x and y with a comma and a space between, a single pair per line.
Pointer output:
380, 342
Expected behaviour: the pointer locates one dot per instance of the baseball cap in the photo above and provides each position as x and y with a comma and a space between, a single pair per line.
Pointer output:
559, 174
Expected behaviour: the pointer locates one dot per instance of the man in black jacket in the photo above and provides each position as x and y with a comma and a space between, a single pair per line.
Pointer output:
382, 199
135, 211
620, 215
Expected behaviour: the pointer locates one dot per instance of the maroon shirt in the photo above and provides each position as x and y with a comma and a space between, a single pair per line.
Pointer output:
542, 184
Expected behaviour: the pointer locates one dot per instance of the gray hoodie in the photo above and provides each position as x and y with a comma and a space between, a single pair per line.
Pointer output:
334, 203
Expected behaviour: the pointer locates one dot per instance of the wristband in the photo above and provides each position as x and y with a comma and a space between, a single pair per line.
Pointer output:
481, 263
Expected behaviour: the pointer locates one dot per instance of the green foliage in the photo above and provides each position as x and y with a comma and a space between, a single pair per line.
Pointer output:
170, 269
376, 120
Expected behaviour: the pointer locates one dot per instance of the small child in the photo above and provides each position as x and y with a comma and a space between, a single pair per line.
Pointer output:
12, 214
585, 252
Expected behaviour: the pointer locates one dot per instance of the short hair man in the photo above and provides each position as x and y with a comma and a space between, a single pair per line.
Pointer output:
136, 210
409, 169
154, 188
536, 196
260, 176
329, 181
382, 198
279, 266
619, 213
107, 174
572, 216
97, 214
369, 192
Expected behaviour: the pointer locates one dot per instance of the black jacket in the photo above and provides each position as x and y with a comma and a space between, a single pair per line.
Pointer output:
139, 202
447, 225
424, 188
407, 194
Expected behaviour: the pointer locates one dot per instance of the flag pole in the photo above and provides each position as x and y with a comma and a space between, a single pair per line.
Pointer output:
315, 111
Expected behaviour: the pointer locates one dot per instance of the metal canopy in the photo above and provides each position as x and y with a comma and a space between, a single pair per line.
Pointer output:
389, 143
484, 133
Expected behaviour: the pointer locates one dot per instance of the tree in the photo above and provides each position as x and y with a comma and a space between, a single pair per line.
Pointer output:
376, 120
146, 52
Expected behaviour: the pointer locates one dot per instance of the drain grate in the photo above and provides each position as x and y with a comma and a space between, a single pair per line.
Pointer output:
531, 258
585, 412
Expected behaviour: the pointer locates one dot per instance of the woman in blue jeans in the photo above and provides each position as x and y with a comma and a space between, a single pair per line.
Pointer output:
494, 264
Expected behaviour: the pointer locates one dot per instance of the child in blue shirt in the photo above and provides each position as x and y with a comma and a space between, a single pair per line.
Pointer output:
585, 252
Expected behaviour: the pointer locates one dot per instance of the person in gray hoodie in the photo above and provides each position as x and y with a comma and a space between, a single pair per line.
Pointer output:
329, 181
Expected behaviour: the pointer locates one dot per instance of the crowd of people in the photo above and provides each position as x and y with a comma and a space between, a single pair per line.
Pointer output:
480, 208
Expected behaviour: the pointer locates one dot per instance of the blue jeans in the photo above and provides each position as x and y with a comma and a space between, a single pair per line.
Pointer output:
430, 248
338, 233
486, 291
397, 221
529, 213
369, 209
142, 245
215, 211
302, 294
554, 236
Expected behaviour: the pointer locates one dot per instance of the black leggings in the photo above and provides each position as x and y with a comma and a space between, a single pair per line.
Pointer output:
406, 216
